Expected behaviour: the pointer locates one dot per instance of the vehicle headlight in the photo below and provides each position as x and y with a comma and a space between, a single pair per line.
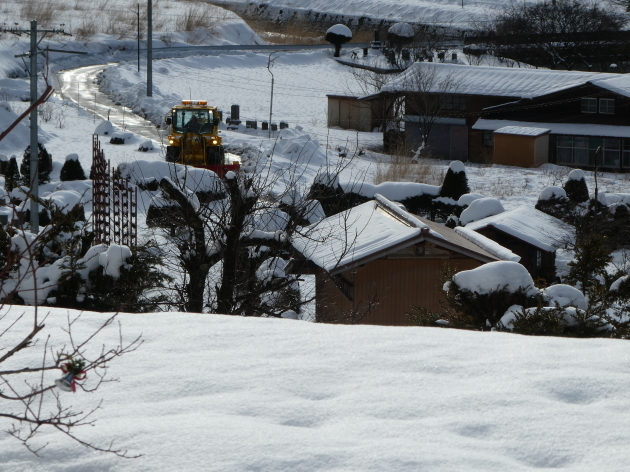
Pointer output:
170, 141
214, 141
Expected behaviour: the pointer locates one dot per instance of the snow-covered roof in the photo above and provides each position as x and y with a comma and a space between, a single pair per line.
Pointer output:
522, 130
529, 225
373, 230
503, 81
574, 129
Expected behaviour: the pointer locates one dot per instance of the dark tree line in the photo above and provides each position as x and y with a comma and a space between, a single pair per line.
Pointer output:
561, 34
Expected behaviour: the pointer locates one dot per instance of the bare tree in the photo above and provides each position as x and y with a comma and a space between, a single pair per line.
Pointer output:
562, 34
427, 89
230, 239
31, 401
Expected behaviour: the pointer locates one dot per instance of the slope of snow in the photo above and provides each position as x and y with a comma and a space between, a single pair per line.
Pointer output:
450, 13
217, 393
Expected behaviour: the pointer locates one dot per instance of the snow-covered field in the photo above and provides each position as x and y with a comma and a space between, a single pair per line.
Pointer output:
210, 392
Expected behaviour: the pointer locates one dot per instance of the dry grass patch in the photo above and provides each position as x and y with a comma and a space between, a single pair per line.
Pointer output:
42, 12
403, 169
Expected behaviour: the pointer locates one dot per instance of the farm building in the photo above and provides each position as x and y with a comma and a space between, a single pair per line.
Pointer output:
373, 263
467, 108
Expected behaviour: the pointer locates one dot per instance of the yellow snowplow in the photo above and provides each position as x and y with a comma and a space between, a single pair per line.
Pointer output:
194, 137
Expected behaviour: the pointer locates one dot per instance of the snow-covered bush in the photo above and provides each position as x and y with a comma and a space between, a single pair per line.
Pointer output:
400, 34
481, 296
554, 202
338, 35
575, 187
72, 169
111, 278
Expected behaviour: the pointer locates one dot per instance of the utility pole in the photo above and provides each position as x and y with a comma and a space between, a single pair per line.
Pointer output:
150, 49
34, 161
34, 174
269, 64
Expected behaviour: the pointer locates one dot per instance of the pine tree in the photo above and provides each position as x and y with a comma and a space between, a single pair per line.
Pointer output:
591, 258
12, 175
455, 182
44, 166
72, 169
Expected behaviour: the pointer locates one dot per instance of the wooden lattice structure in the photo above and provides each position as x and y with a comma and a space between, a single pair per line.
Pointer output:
100, 194
114, 203
125, 210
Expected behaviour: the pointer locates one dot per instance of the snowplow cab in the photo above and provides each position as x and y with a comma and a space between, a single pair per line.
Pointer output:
194, 137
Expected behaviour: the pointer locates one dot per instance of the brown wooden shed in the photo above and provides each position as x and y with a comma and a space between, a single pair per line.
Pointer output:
375, 262
349, 113
521, 146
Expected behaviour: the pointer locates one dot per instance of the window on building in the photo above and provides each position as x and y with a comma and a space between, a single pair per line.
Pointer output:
626, 153
578, 150
611, 152
565, 150
488, 138
589, 105
453, 103
607, 106
538, 259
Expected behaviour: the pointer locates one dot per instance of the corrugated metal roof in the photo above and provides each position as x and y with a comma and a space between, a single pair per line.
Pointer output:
499, 81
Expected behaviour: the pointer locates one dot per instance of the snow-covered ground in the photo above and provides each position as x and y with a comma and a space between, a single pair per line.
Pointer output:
210, 392
218, 393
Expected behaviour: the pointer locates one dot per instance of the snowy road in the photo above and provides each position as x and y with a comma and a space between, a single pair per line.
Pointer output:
79, 86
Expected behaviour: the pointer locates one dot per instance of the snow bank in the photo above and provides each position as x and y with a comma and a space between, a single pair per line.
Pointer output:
200, 180
396, 191
481, 208
487, 244
496, 275
276, 395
